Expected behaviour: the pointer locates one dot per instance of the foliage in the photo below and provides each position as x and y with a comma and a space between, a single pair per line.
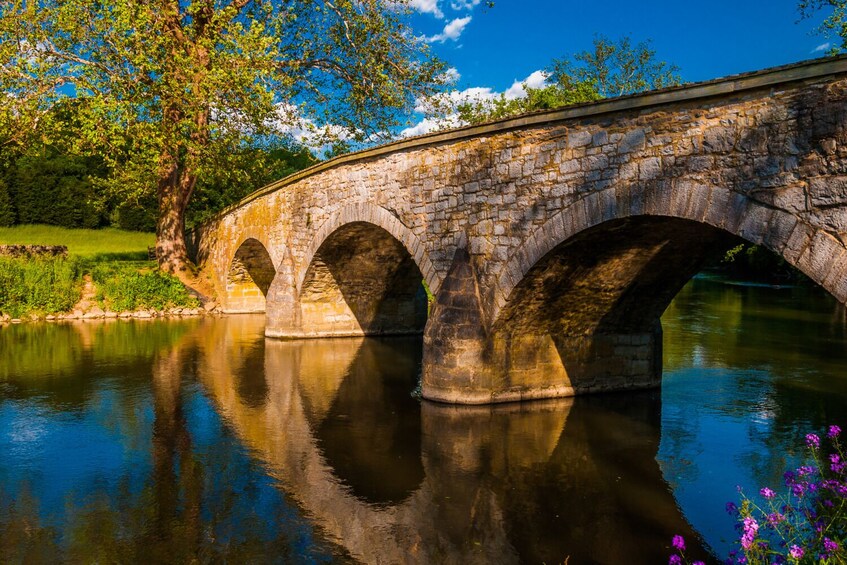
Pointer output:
545, 98
757, 263
51, 188
99, 244
43, 286
7, 211
164, 89
238, 174
123, 287
615, 68
609, 69
835, 23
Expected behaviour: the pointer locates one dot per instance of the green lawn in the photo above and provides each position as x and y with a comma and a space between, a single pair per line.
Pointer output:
102, 244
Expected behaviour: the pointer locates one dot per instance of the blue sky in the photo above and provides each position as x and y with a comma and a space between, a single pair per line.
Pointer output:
495, 47
706, 40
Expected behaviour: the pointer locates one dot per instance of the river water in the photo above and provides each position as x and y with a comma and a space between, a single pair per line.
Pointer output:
173, 441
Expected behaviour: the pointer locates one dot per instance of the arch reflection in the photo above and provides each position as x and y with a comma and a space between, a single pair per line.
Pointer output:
393, 480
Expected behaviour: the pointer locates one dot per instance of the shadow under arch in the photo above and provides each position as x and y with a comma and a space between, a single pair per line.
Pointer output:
580, 302
249, 277
362, 280
812, 251
380, 217
479, 464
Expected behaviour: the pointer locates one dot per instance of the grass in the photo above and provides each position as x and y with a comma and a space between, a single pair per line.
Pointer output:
38, 286
125, 286
101, 245
115, 259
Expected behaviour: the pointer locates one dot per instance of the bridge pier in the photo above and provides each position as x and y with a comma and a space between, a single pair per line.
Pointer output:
464, 363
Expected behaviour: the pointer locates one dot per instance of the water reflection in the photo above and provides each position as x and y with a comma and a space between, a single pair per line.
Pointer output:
201, 440
748, 372
392, 480
118, 456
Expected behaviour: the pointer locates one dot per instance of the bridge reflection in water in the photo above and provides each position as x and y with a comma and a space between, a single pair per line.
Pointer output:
390, 479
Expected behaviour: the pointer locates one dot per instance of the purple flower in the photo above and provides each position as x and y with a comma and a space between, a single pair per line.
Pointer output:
796, 552
679, 543
830, 545
834, 432
806, 470
731, 508
813, 441
698, 563
775, 518
751, 528
767, 493
675, 560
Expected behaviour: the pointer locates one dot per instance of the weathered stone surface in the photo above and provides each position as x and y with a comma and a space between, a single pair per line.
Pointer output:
338, 250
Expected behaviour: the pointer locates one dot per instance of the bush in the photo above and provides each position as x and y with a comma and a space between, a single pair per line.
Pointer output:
124, 287
38, 286
754, 262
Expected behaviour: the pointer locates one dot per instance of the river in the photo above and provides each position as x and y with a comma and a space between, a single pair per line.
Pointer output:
170, 441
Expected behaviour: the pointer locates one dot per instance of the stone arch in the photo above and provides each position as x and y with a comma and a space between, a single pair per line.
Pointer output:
378, 216
814, 252
249, 276
362, 275
577, 308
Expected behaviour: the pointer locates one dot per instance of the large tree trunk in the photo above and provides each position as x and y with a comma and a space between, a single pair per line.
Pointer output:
174, 193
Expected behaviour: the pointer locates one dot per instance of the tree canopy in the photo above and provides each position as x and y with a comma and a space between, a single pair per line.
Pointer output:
610, 68
835, 23
164, 90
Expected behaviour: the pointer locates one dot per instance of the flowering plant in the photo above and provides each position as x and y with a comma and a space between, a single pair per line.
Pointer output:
806, 524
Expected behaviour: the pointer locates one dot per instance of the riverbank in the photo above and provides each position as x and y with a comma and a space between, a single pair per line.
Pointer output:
94, 275
100, 314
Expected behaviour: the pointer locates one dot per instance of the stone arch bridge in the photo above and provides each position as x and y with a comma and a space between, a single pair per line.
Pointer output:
552, 242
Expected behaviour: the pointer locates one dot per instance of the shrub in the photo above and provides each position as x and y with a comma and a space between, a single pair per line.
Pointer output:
124, 287
38, 286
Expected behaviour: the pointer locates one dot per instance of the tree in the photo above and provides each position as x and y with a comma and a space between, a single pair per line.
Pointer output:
835, 23
615, 68
545, 98
49, 187
7, 212
163, 88
237, 174
609, 69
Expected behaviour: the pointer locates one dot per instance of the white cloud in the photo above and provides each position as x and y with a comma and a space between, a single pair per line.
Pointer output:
445, 105
427, 7
538, 79
465, 4
451, 31
822, 47
451, 76
424, 126
290, 122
